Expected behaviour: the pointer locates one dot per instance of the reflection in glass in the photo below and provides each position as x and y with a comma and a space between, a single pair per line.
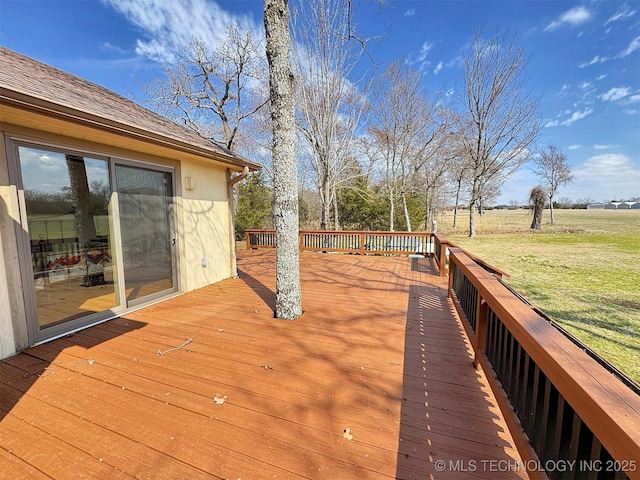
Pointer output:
145, 198
67, 204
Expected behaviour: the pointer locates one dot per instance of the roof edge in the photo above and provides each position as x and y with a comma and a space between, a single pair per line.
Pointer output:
24, 101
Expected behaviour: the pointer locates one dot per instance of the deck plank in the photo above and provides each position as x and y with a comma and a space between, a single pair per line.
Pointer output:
379, 350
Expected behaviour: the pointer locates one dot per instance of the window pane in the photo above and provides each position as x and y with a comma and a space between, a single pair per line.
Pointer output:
145, 199
67, 203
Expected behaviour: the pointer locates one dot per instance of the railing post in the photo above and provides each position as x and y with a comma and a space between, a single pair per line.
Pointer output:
246, 236
481, 328
362, 237
443, 259
300, 241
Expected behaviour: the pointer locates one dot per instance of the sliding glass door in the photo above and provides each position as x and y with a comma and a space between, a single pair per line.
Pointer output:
99, 237
145, 201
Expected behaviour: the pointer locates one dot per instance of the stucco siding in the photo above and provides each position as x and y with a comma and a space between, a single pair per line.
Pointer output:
204, 226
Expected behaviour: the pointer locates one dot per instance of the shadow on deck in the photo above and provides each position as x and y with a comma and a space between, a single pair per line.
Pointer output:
379, 351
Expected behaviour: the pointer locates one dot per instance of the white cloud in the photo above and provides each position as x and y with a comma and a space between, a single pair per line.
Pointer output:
438, 68
616, 93
623, 12
602, 77
108, 47
607, 176
604, 147
574, 147
593, 61
633, 46
421, 59
424, 51
575, 116
168, 25
409, 13
573, 17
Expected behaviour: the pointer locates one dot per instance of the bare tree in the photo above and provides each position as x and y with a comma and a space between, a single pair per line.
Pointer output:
500, 121
537, 199
330, 105
211, 92
406, 137
285, 180
554, 171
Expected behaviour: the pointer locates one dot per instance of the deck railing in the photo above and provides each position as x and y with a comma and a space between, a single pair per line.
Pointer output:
579, 420
343, 241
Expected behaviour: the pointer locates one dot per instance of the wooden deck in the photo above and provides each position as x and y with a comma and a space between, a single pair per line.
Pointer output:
379, 351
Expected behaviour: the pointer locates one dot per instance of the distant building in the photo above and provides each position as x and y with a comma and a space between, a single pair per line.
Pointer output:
613, 205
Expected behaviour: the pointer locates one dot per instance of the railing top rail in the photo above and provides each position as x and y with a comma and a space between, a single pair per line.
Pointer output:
478, 260
606, 405
353, 232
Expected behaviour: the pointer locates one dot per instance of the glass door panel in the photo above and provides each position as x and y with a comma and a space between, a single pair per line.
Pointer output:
145, 199
67, 204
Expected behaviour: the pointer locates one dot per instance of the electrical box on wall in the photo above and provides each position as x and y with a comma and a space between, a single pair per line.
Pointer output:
190, 183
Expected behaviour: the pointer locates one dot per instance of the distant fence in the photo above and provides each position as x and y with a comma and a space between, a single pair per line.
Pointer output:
355, 242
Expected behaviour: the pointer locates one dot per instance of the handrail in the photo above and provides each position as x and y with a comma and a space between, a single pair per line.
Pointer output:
569, 406
441, 250
349, 241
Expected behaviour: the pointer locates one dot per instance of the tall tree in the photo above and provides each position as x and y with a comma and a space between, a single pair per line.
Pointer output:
554, 171
210, 91
499, 122
331, 106
537, 199
285, 175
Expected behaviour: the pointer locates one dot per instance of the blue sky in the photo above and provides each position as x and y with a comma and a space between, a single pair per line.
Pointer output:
584, 61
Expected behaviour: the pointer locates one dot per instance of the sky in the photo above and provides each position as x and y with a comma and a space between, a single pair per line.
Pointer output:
584, 61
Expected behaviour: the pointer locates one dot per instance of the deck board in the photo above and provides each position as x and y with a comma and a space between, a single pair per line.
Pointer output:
379, 350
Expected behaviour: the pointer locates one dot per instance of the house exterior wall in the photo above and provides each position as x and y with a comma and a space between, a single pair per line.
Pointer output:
204, 225
203, 214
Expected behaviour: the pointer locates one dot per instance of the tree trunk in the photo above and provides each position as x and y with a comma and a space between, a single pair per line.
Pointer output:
285, 175
336, 218
325, 220
405, 210
553, 219
81, 200
455, 207
472, 207
392, 211
537, 217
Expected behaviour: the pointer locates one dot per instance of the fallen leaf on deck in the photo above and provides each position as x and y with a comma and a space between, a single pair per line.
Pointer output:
220, 399
347, 434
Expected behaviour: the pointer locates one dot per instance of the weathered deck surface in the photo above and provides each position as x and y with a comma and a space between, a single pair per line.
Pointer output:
378, 351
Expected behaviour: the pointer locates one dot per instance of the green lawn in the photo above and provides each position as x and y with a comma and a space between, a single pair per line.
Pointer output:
583, 271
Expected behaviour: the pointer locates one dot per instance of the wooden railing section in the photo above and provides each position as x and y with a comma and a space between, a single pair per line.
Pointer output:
578, 419
343, 241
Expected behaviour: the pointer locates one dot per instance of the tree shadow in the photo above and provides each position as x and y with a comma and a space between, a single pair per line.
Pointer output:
20, 372
267, 295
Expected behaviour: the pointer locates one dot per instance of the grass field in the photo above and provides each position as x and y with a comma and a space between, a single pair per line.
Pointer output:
583, 271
